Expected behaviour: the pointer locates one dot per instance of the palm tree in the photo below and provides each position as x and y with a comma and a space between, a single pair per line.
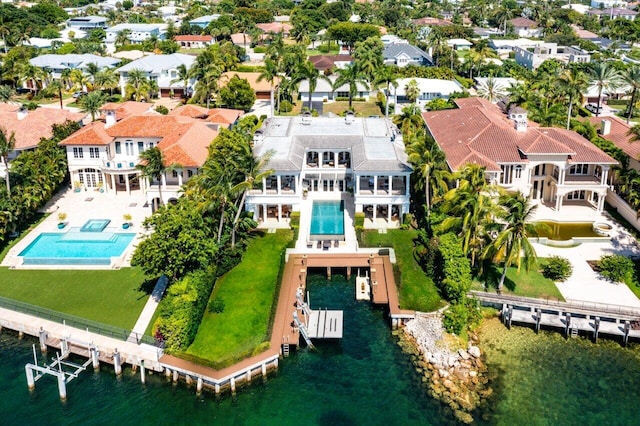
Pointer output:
512, 245
307, 71
632, 77
153, 168
183, 76
386, 76
56, 86
107, 79
91, 103
122, 38
349, 75
92, 69
491, 90
412, 91
80, 80
410, 120
254, 170
634, 133
605, 77
208, 84
4, 32
573, 83
6, 93
7, 143
138, 85
270, 74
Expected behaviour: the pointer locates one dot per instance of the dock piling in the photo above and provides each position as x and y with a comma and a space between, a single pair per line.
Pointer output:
42, 337
143, 379
199, 385
596, 328
538, 318
567, 324
117, 366
627, 328
94, 358
31, 383
175, 376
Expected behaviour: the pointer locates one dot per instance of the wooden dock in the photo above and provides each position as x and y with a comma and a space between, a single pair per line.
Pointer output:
572, 318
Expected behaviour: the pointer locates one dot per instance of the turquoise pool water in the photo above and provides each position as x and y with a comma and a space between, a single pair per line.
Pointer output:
327, 218
75, 248
95, 225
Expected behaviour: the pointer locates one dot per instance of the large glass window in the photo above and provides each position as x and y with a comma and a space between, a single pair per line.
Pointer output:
118, 148
77, 152
579, 169
94, 152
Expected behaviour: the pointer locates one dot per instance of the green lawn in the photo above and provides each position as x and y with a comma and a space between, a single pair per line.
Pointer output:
248, 292
362, 109
109, 297
416, 290
524, 283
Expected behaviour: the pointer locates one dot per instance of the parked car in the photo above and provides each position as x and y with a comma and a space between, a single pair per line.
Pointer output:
78, 95
595, 109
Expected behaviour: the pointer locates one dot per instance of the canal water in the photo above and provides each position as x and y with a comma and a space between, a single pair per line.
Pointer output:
362, 380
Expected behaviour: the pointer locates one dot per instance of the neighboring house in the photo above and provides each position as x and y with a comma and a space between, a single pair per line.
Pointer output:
533, 57
403, 54
524, 27
223, 117
330, 62
459, 44
164, 70
551, 166
504, 47
31, 126
614, 13
332, 157
262, 88
430, 89
601, 4
138, 33
87, 23
276, 27
324, 90
204, 21
56, 64
104, 154
424, 25
615, 130
193, 41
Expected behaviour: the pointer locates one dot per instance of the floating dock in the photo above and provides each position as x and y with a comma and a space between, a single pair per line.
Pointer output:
324, 324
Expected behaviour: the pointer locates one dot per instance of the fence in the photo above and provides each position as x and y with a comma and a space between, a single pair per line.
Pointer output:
623, 208
73, 321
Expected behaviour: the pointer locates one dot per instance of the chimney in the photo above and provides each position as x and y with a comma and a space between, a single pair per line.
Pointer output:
519, 117
22, 113
306, 118
605, 128
258, 137
110, 118
349, 118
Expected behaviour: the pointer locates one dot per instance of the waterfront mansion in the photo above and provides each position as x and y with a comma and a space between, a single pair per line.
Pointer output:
330, 156
551, 166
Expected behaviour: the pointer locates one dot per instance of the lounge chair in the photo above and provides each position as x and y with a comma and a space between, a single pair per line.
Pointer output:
336, 243
319, 244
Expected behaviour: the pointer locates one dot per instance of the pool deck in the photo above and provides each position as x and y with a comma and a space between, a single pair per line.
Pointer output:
81, 207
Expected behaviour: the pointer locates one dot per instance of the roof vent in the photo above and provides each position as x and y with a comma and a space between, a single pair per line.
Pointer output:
349, 118
605, 128
258, 137
110, 118
306, 118
22, 113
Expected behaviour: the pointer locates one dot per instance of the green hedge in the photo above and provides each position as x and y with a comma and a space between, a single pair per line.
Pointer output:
260, 49
358, 220
345, 98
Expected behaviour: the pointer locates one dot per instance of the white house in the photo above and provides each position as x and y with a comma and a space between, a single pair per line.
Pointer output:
138, 33
603, 4
551, 166
56, 64
163, 69
524, 27
430, 89
324, 90
504, 47
331, 158
87, 23
193, 41
459, 44
533, 57
403, 54
204, 21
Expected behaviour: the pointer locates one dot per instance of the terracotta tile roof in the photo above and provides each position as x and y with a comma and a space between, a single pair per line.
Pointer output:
203, 38
429, 21
35, 125
324, 62
275, 27
523, 22
479, 132
221, 116
92, 134
127, 109
618, 135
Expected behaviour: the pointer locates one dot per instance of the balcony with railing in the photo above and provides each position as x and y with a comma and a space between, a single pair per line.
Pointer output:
124, 165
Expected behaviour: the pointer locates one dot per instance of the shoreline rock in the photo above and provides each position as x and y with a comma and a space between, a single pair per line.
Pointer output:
455, 376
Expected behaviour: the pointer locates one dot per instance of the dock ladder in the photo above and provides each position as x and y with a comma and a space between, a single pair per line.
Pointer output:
574, 332
285, 349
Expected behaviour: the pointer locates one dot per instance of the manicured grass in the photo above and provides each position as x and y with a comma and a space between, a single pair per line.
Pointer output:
524, 283
362, 109
416, 290
248, 292
109, 297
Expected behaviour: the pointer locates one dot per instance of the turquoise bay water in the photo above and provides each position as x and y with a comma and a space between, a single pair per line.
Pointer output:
58, 247
327, 218
362, 380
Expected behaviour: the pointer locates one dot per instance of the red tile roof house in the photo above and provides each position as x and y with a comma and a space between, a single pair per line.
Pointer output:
193, 41
553, 167
104, 154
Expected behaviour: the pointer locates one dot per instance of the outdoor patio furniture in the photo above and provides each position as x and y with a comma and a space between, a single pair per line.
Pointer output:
326, 244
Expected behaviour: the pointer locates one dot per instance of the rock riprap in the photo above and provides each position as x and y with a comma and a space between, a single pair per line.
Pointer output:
454, 376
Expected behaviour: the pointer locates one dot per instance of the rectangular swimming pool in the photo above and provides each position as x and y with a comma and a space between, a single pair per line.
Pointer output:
55, 248
327, 220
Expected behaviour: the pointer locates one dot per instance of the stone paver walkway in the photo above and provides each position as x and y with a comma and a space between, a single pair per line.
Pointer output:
149, 309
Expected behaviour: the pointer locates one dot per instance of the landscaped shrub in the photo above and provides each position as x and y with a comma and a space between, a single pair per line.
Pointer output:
216, 306
456, 268
459, 316
286, 106
346, 98
162, 109
294, 220
557, 269
358, 221
260, 49
617, 268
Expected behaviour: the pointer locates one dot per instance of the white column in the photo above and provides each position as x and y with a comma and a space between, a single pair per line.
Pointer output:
357, 178
113, 183
406, 185
104, 182
558, 201
375, 185
126, 180
601, 199
389, 184
605, 174
561, 176
180, 177
279, 212
389, 213
264, 186
375, 212
264, 213
335, 160
279, 182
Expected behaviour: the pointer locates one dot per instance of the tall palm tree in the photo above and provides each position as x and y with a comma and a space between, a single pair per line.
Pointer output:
183, 76
491, 90
208, 84
122, 38
7, 143
153, 168
138, 85
254, 170
92, 69
349, 75
386, 76
572, 82
512, 245
632, 77
412, 91
81, 81
605, 77
106, 79
270, 74
6, 93
307, 71
91, 103
634, 133
409, 121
